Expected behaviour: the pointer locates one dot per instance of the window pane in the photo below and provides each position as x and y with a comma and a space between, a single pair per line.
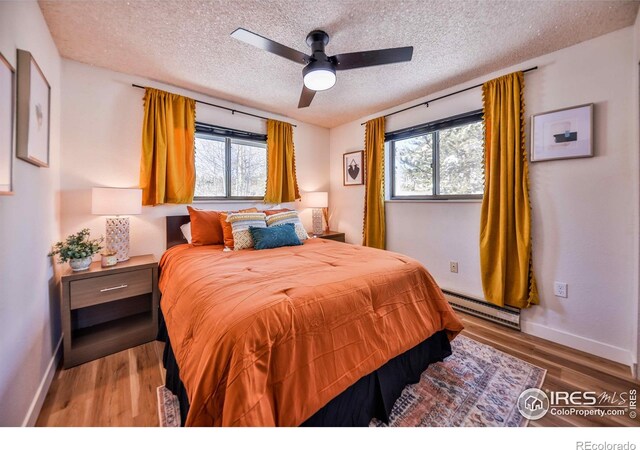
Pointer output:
248, 169
413, 160
461, 160
210, 163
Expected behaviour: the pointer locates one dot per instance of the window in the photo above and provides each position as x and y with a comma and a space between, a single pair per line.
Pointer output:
229, 168
438, 160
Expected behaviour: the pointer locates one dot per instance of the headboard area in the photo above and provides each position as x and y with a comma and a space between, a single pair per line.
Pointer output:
174, 233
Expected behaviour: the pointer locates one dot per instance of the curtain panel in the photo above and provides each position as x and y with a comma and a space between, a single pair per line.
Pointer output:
282, 184
167, 165
505, 224
374, 233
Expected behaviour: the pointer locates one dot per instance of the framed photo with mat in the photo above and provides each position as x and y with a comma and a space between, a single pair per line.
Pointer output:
34, 98
562, 134
352, 169
7, 121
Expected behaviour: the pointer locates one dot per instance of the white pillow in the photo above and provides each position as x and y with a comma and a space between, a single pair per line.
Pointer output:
186, 231
271, 206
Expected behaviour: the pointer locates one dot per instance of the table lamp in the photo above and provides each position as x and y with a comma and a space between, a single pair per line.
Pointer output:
117, 202
319, 201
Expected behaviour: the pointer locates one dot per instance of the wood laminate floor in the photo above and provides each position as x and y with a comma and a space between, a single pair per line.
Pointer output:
120, 389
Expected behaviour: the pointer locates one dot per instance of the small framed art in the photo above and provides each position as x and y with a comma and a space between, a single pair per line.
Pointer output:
34, 96
352, 169
7, 110
562, 134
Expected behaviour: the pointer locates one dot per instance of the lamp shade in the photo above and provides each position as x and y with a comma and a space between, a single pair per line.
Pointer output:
316, 199
116, 201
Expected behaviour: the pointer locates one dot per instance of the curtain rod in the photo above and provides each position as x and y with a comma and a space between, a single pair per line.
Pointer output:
444, 96
233, 111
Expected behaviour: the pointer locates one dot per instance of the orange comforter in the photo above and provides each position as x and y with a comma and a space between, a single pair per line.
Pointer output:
268, 337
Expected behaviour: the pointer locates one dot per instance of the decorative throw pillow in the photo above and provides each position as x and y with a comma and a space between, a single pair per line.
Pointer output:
205, 227
227, 232
186, 231
288, 217
240, 223
274, 237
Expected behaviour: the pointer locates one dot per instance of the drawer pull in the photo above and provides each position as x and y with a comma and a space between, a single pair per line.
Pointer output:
122, 286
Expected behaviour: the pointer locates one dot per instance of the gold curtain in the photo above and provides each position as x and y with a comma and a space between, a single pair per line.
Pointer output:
167, 167
282, 184
505, 224
374, 221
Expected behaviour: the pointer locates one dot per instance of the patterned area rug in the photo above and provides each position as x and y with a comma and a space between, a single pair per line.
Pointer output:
477, 386
168, 408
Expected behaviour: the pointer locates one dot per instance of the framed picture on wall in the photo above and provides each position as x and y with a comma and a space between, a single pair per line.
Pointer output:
562, 134
34, 96
352, 169
7, 110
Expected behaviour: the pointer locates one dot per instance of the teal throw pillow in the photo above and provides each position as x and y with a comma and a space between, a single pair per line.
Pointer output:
273, 237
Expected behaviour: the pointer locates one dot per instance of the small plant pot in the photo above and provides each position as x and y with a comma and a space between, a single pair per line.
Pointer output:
80, 264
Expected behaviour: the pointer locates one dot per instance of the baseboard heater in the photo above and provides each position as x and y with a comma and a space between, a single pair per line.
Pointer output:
507, 315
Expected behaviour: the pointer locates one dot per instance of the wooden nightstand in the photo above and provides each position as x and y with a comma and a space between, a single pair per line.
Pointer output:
331, 235
106, 310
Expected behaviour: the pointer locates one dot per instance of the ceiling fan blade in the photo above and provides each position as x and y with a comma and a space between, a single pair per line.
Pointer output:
271, 46
306, 97
346, 61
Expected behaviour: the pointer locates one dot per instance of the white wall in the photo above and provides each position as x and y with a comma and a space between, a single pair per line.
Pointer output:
585, 211
101, 141
29, 224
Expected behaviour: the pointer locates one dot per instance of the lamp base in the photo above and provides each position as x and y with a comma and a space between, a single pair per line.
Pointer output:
118, 237
325, 213
317, 221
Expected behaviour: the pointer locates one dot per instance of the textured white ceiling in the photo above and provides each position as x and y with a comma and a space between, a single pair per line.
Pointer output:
186, 43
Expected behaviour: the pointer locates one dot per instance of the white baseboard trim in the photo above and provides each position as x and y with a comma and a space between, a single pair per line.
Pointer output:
36, 404
587, 345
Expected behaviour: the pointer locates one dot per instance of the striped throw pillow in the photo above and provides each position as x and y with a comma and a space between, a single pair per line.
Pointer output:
240, 223
288, 217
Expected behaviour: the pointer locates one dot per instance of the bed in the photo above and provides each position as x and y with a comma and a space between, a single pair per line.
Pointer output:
320, 334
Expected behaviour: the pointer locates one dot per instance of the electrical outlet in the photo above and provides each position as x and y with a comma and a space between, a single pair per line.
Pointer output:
453, 266
560, 289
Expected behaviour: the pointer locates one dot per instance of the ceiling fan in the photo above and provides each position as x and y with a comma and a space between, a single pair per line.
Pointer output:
319, 72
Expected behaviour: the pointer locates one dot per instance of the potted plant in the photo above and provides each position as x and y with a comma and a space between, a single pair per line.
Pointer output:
77, 249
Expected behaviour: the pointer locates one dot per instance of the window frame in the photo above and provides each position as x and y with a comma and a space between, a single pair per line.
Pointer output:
432, 128
255, 140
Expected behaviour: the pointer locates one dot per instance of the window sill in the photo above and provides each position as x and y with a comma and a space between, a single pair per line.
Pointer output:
227, 200
442, 200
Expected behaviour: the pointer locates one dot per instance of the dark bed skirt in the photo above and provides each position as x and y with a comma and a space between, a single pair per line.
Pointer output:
371, 396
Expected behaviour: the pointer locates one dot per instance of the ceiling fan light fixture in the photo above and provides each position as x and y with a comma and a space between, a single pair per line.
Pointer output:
319, 76
319, 73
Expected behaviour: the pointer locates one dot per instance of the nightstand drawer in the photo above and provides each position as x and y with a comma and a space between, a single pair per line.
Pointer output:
96, 290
